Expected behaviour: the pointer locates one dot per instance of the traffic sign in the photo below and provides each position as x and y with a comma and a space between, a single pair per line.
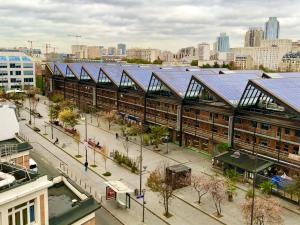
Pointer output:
140, 196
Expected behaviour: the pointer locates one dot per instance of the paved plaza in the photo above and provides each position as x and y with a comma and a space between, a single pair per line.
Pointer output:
183, 207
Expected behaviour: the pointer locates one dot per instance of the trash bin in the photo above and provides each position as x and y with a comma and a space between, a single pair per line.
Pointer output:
136, 192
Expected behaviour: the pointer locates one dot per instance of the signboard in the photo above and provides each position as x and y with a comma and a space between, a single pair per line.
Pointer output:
140, 196
110, 193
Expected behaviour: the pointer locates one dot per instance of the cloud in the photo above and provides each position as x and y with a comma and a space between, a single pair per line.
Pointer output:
165, 24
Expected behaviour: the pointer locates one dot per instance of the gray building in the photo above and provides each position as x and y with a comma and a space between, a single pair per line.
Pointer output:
223, 43
122, 49
272, 28
253, 37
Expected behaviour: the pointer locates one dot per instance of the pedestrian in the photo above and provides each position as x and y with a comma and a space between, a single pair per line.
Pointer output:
117, 135
98, 144
86, 164
56, 141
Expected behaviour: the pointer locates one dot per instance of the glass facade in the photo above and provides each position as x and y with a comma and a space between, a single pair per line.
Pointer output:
272, 29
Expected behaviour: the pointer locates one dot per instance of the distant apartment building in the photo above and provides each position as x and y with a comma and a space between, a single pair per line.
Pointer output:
243, 62
269, 54
222, 43
80, 51
148, 54
253, 37
225, 57
93, 52
111, 51
203, 51
272, 28
17, 70
187, 54
296, 46
290, 62
167, 56
121, 49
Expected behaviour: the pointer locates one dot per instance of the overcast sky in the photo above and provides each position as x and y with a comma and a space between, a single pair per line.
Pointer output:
164, 24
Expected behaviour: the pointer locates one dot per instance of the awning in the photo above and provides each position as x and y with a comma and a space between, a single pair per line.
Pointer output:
244, 161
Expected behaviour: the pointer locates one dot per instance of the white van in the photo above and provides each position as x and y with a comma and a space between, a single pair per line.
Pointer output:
33, 165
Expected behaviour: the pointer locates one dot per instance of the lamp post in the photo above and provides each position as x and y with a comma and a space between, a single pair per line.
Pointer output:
141, 155
168, 129
254, 178
29, 110
144, 202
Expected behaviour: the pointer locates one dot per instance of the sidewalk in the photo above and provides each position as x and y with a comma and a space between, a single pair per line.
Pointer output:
185, 211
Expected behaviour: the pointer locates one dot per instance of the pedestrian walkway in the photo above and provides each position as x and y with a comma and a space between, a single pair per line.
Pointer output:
184, 208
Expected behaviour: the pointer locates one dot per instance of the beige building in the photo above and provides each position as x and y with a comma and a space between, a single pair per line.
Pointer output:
253, 37
269, 54
243, 62
203, 51
167, 56
187, 54
290, 62
146, 54
93, 52
80, 51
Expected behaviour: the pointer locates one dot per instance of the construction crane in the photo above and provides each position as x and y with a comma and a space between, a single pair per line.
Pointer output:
47, 45
29, 41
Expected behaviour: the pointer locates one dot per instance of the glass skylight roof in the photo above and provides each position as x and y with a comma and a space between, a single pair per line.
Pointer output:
230, 86
283, 75
286, 90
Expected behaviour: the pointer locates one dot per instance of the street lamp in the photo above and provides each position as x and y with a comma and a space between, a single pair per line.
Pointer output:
144, 202
141, 155
254, 177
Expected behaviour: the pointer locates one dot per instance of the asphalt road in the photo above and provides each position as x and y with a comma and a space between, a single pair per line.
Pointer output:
47, 163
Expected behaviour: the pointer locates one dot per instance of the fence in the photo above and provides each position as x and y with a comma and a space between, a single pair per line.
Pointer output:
280, 192
82, 184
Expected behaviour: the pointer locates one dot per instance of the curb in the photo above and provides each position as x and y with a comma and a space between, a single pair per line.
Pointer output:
100, 175
206, 213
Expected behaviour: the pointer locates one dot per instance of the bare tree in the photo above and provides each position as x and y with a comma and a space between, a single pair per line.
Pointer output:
105, 155
217, 191
157, 183
266, 211
110, 117
77, 140
201, 184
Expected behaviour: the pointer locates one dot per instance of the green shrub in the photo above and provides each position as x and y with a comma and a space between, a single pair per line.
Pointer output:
107, 174
266, 187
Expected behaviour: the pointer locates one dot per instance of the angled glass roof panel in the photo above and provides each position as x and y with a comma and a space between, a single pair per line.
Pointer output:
62, 67
14, 58
76, 68
26, 59
286, 90
3, 58
230, 86
93, 69
51, 65
177, 81
115, 71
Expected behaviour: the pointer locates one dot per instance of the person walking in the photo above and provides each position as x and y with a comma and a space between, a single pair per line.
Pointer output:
86, 164
56, 141
117, 135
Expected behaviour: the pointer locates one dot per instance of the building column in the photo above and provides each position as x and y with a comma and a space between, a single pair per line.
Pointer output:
94, 96
231, 131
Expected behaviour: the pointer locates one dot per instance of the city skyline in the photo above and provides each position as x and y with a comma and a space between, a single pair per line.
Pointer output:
138, 24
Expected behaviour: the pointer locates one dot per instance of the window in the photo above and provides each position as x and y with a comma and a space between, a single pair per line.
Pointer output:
226, 118
18, 72
15, 65
237, 135
253, 124
237, 120
263, 142
28, 72
297, 133
296, 149
3, 65
27, 65
216, 115
278, 147
3, 73
23, 214
265, 126
28, 79
286, 147
287, 131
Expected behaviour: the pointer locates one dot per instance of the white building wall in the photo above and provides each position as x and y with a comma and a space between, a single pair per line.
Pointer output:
12, 77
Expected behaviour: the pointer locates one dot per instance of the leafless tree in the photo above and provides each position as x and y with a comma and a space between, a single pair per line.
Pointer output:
201, 184
217, 191
266, 211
